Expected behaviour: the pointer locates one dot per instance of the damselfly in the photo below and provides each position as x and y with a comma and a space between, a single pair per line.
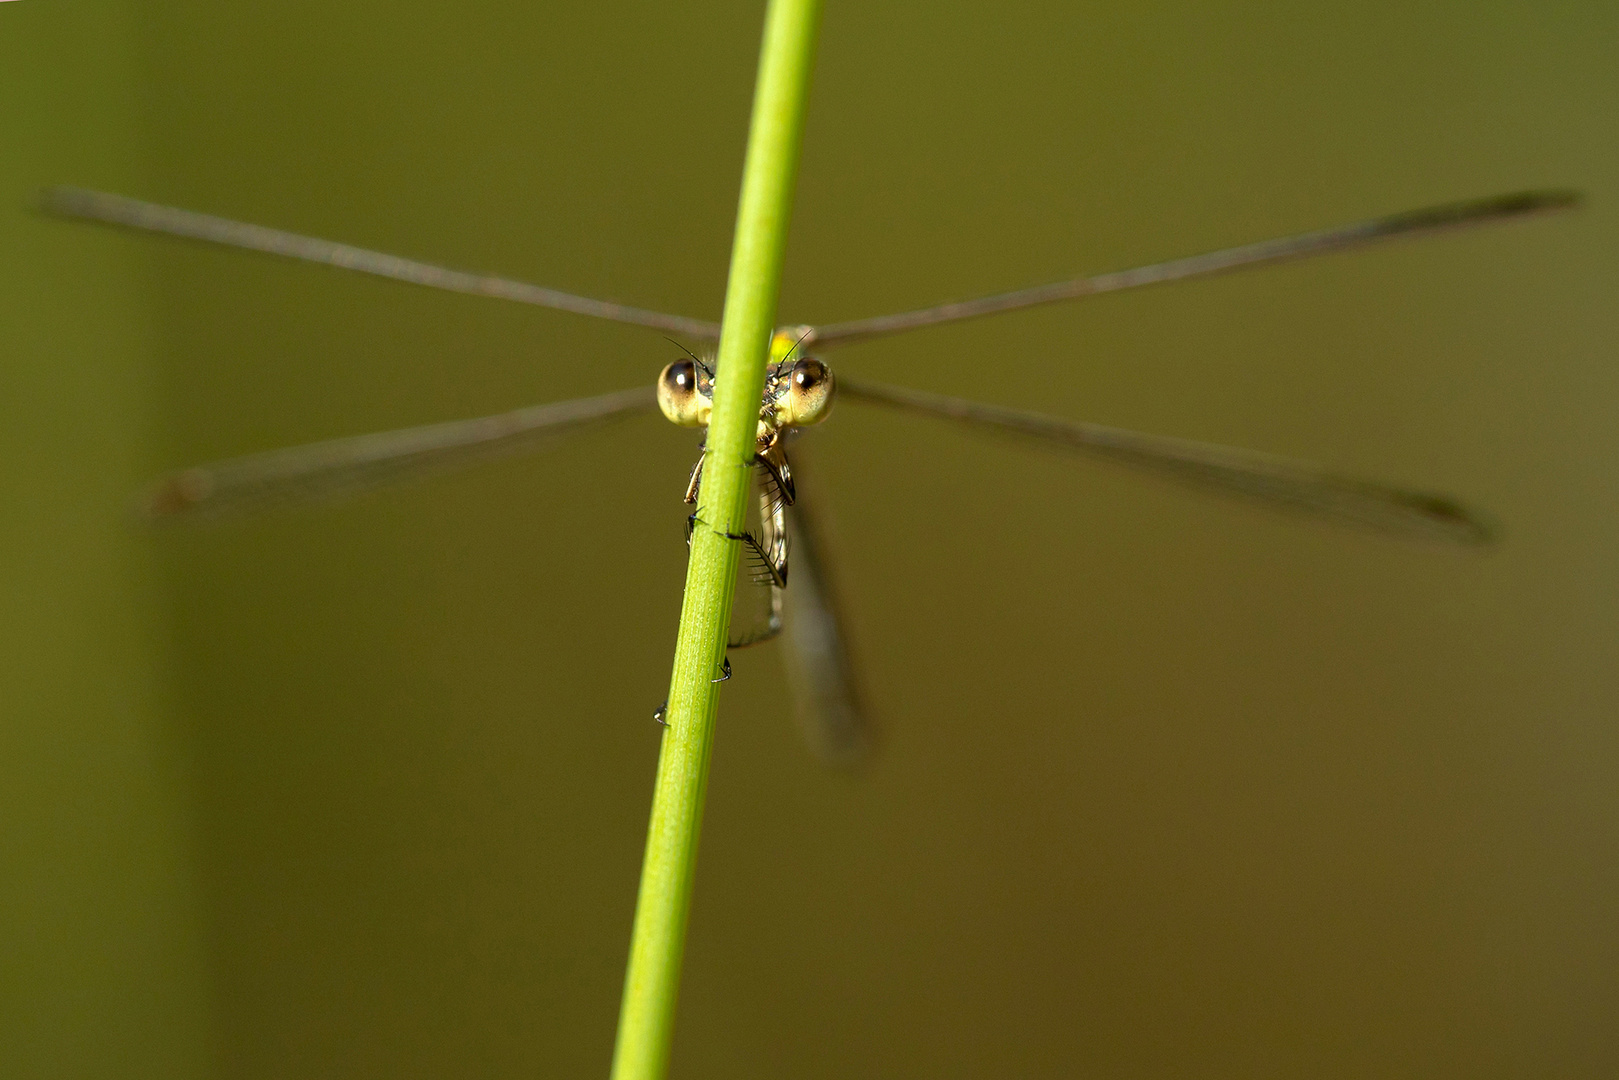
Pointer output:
800, 390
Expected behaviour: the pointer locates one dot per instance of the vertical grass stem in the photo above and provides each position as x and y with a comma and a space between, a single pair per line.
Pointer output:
646, 1018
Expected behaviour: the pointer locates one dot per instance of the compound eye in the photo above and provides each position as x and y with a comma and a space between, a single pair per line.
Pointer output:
808, 373
809, 392
681, 376
678, 396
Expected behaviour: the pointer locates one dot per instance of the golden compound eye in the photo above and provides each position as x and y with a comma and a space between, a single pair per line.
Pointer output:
678, 396
809, 394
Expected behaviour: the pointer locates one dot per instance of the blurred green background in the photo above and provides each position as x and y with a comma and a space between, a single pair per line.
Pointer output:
1168, 786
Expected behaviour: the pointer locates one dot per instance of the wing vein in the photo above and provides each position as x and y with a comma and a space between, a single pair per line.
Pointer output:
1428, 220
130, 213
344, 466
1278, 481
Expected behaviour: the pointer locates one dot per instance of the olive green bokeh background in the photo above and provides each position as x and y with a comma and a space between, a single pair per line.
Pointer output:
1168, 786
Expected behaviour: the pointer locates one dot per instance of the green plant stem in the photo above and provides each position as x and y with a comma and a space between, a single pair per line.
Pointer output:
646, 1018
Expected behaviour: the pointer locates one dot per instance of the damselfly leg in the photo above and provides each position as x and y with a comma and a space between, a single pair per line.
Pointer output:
768, 548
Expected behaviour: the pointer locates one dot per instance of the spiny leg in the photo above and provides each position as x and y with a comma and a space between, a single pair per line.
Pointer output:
769, 549
768, 572
660, 715
772, 461
693, 486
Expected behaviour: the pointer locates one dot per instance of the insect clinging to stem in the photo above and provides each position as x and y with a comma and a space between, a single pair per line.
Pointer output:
800, 391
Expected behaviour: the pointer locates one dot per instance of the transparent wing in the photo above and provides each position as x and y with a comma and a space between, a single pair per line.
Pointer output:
1415, 222
1295, 485
820, 669
110, 209
343, 466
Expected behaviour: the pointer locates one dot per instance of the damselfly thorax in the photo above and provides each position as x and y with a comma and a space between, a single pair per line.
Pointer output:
800, 390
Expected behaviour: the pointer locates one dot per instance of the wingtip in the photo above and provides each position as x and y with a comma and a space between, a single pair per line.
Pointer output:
1539, 201
1511, 205
60, 200
850, 748
177, 494
1460, 524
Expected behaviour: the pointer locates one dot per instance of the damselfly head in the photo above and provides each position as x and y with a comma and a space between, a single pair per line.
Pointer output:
686, 393
797, 393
